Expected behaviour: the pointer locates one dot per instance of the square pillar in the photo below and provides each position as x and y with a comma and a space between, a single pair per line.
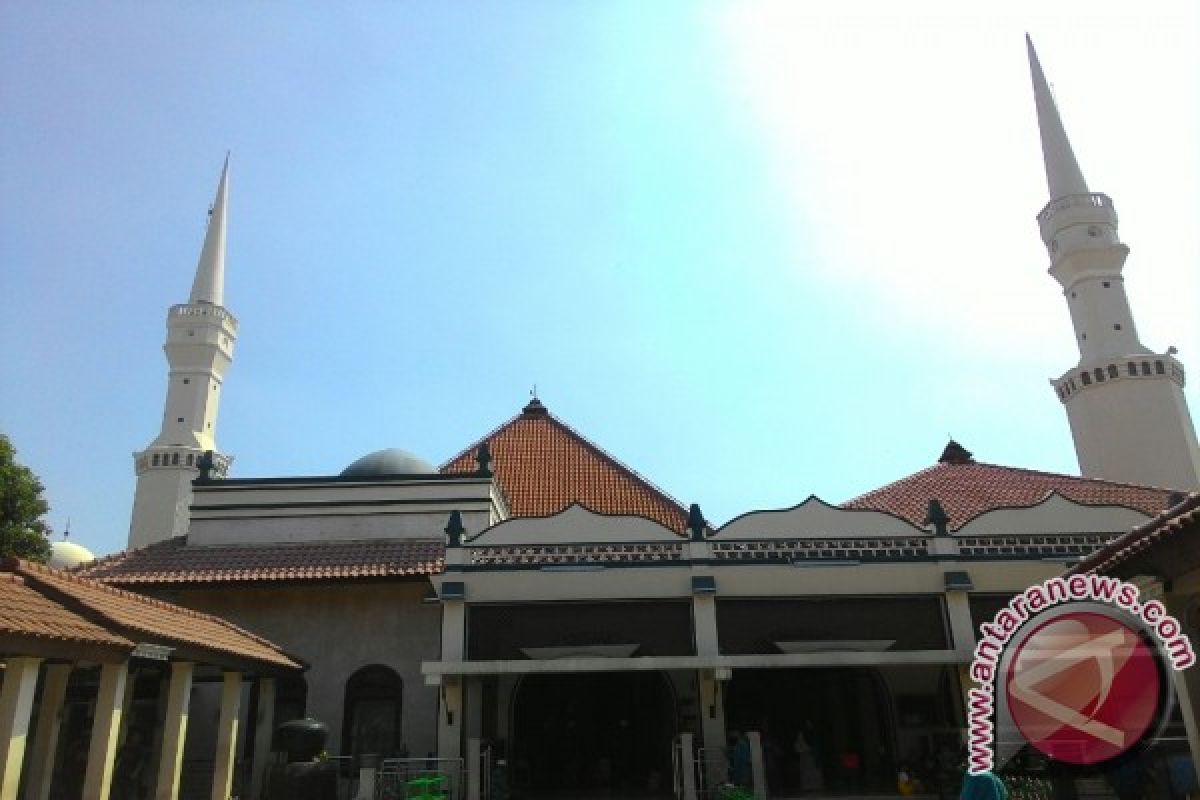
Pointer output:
704, 626
110, 698
473, 706
174, 731
712, 727
264, 727
227, 733
758, 769
1187, 682
704, 623
450, 718
473, 768
45, 736
962, 634
450, 705
685, 767
16, 706
962, 629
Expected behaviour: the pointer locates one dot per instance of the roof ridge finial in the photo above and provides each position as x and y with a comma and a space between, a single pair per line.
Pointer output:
535, 407
483, 461
1063, 176
955, 453
696, 522
209, 284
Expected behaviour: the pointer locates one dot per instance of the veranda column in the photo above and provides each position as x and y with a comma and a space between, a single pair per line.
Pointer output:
16, 705
170, 755
704, 626
227, 730
105, 727
127, 704
962, 630
264, 726
473, 706
1187, 682
454, 636
45, 735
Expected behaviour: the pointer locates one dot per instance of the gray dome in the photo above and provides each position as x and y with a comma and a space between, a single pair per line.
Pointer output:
392, 461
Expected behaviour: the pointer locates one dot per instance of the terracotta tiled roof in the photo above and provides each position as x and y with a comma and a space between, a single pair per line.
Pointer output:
133, 616
544, 466
173, 562
24, 611
1181, 518
967, 488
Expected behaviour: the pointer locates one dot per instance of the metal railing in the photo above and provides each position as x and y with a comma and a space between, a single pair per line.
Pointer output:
712, 771
412, 778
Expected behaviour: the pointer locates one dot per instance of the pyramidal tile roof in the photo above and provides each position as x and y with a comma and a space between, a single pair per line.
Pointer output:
544, 466
967, 488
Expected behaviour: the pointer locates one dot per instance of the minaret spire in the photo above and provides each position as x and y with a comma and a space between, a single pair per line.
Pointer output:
1124, 402
209, 285
199, 348
1063, 176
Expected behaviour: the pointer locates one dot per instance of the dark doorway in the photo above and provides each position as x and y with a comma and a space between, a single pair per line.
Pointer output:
596, 733
823, 730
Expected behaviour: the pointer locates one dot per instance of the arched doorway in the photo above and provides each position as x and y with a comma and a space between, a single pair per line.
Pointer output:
840, 711
607, 732
371, 712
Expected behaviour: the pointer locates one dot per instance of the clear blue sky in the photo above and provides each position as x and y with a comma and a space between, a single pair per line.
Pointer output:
753, 250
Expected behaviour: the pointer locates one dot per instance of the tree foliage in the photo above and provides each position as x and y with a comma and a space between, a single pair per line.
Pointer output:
23, 532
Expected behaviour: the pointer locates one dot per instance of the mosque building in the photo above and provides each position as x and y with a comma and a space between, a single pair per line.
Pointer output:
536, 593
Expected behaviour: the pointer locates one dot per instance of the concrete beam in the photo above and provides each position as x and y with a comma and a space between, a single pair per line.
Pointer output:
434, 670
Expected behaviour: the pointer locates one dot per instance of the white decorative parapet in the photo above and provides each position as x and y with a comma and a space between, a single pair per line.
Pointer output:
574, 524
1054, 514
816, 519
813, 532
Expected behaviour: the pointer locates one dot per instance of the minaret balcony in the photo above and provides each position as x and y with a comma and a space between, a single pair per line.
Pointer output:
1138, 366
179, 457
192, 310
1076, 209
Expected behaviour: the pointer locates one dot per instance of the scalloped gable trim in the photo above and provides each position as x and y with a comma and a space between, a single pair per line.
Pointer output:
1055, 513
575, 524
813, 518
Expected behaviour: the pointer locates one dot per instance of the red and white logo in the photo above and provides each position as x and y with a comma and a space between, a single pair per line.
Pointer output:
1084, 687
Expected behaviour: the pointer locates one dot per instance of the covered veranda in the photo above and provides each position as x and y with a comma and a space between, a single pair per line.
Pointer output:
54, 625
1162, 558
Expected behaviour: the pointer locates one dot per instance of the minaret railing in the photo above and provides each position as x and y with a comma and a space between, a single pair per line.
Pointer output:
1091, 200
203, 310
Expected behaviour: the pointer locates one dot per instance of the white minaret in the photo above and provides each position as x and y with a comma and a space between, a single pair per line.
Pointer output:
1125, 403
200, 336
